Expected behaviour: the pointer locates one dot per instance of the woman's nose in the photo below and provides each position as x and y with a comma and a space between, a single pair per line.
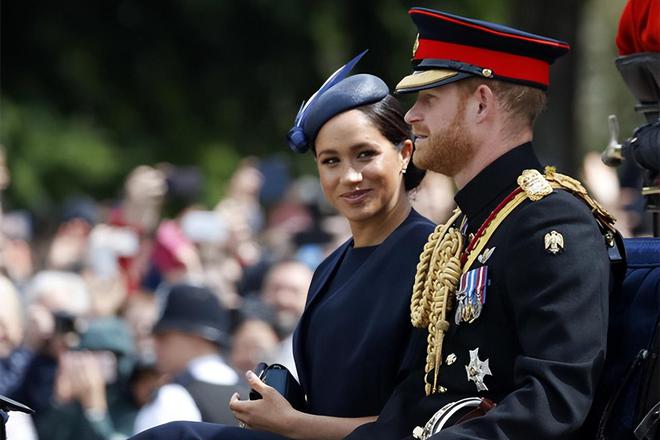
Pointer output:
352, 175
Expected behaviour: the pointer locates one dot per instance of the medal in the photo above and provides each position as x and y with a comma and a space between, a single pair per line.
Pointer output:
471, 295
477, 370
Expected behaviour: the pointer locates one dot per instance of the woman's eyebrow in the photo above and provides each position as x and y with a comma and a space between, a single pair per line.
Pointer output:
353, 147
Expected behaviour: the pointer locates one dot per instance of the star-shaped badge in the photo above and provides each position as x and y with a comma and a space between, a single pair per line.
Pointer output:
477, 370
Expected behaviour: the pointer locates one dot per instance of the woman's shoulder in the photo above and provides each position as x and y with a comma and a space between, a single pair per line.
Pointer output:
416, 224
410, 236
333, 256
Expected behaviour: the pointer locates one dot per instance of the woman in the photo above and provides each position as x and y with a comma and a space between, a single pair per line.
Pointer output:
352, 344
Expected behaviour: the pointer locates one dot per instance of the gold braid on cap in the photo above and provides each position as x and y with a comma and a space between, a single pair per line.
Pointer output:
438, 272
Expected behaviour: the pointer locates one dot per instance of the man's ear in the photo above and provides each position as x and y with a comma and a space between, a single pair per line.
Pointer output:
485, 102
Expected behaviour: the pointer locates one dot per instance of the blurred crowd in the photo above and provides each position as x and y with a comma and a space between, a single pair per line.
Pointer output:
150, 308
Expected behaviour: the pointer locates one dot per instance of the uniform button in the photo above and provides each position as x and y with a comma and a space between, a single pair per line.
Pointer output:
451, 358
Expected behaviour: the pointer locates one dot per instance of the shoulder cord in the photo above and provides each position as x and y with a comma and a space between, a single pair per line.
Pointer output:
438, 271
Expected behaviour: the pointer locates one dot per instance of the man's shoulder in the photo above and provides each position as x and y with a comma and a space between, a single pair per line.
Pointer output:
559, 207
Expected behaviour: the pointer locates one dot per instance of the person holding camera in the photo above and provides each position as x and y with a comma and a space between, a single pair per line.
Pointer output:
354, 341
91, 398
57, 303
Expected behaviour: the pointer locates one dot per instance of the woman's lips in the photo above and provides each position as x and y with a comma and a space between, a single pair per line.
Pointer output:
355, 197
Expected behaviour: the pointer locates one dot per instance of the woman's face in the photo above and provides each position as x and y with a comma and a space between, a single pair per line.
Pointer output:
359, 169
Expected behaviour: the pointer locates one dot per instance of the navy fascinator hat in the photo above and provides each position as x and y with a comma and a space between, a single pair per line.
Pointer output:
338, 94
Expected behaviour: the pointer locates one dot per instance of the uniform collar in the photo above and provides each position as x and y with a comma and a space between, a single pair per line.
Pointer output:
482, 194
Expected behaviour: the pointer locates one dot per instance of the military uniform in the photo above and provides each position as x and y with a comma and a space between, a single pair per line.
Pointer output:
525, 323
538, 343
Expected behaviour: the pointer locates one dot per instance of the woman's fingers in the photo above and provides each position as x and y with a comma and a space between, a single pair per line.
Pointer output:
256, 383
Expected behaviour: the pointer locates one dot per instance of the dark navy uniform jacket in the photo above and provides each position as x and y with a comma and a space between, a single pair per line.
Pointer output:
543, 326
354, 343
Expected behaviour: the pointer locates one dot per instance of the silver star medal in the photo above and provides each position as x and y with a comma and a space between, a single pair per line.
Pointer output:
477, 370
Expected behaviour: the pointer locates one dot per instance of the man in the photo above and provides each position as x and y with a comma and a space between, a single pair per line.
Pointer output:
189, 336
89, 394
285, 290
524, 262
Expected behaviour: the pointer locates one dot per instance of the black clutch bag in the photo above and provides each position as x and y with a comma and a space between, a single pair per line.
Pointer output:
280, 378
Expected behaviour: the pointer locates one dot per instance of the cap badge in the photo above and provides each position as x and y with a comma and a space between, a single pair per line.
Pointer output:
415, 46
534, 184
471, 295
487, 73
477, 370
554, 242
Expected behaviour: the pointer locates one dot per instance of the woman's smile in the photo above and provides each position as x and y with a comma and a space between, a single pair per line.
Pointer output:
355, 197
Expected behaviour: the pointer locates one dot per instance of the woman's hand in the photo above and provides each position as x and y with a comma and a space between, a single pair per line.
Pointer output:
274, 414
271, 413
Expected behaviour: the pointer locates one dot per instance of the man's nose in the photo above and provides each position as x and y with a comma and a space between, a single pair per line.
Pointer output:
412, 115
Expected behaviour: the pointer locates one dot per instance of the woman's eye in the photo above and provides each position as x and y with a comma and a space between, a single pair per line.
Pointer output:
330, 161
366, 154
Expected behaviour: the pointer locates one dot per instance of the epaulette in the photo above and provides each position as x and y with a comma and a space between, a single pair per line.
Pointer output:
561, 181
535, 186
605, 220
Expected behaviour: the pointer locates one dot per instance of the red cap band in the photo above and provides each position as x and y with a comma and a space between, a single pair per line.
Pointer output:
502, 64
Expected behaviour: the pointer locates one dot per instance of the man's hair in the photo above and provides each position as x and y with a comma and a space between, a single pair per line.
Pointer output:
523, 103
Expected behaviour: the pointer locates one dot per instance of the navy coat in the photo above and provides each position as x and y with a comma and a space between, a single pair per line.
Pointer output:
363, 354
369, 346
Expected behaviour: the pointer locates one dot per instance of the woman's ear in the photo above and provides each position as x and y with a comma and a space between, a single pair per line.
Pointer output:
406, 152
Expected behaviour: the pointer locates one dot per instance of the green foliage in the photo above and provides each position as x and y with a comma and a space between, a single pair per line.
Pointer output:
94, 88
51, 156
218, 162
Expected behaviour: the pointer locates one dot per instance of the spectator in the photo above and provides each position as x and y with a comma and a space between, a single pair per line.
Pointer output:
190, 335
91, 399
56, 302
14, 359
68, 248
140, 313
285, 290
175, 256
254, 340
